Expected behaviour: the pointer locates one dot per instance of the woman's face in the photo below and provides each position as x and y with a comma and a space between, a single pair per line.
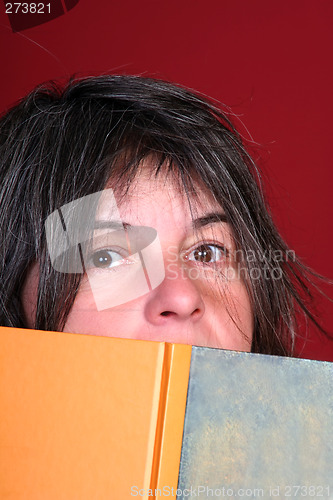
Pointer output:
165, 275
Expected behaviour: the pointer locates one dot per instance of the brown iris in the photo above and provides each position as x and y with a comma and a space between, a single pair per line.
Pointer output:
102, 259
204, 253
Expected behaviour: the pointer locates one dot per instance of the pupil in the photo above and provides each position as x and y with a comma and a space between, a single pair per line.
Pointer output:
203, 254
102, 259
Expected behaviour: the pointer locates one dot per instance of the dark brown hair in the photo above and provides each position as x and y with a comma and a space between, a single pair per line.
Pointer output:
60, 144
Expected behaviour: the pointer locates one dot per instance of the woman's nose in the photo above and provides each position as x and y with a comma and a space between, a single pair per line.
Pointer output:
177, 298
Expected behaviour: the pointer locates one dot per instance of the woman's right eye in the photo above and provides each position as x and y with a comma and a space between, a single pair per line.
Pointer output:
106, 259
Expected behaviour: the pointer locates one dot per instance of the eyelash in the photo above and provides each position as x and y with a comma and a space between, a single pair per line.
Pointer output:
125, 259
205, 244
115, 263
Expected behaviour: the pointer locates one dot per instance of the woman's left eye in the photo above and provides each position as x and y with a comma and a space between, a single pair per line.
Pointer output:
207, 253
105, 259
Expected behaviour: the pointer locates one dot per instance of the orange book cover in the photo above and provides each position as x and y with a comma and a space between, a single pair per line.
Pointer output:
85, 417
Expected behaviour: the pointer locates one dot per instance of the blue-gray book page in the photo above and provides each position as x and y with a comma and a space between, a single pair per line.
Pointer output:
257, 426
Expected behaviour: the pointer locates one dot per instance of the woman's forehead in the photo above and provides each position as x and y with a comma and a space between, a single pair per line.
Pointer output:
164, 194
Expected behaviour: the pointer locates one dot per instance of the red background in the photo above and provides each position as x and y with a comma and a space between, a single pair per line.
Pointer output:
270, 61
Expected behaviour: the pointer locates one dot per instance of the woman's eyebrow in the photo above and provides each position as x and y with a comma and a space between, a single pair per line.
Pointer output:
211, 218
205, 220
111, 224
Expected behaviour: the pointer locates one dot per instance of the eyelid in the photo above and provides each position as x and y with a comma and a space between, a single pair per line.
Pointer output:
216, 244
215, 233
125, 258
109, 248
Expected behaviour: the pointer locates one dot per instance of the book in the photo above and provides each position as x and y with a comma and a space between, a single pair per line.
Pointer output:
88, 417
85, 417
257, 426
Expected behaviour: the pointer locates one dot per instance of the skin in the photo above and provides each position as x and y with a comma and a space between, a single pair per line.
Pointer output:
193, 304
